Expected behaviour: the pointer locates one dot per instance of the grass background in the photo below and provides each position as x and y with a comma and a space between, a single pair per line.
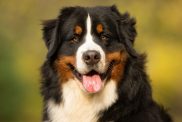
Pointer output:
22, 51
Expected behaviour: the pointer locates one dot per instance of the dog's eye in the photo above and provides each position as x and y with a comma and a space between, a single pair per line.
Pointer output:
75, 39
104, 38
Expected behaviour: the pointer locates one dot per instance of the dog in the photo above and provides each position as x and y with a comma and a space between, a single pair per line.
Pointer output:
92, 73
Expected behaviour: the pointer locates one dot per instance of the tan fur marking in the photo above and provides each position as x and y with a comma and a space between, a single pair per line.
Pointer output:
78, 30
99, 28
62, 68
119, 66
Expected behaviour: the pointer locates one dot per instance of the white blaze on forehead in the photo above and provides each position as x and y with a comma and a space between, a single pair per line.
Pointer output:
88, 25
89, 44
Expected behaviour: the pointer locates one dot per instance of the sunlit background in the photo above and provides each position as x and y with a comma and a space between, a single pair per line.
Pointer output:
22, 51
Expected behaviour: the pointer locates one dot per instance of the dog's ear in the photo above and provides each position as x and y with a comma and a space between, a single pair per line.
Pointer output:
48, 30
126, 25
52, 31
126, 29
50, 36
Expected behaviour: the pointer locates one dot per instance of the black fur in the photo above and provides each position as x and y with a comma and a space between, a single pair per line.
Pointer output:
135, 103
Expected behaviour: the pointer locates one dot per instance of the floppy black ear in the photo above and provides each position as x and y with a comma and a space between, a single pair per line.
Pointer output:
52, 31
126, 28
127, 25
48, 29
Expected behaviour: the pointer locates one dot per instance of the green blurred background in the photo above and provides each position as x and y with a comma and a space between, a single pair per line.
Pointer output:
22, 51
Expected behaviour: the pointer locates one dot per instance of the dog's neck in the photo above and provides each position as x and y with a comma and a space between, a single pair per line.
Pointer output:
78, 106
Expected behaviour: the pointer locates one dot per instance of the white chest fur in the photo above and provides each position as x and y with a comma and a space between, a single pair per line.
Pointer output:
78, 106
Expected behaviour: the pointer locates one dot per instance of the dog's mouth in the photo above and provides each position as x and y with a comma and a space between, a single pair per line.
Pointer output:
93, 81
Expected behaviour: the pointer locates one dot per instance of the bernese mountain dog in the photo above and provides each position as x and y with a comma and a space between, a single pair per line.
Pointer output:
92, 73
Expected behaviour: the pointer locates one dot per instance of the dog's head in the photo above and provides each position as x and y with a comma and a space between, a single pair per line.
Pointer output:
90, 45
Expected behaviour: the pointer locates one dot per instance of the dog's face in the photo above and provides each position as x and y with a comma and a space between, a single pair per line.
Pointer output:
89, 45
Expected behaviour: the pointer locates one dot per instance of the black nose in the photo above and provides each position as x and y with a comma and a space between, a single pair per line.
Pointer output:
91, 57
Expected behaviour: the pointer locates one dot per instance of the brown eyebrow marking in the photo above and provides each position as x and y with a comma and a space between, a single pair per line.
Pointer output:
78, 29
100, 28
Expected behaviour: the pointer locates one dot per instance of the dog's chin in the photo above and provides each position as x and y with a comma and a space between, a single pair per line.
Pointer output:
93, 81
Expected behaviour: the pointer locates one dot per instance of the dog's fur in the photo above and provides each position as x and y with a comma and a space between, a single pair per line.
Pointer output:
126, 93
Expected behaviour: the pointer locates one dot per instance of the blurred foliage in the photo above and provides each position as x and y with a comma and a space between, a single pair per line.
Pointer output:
159, 25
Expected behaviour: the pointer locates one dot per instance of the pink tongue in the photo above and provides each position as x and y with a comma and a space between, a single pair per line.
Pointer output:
92, 83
